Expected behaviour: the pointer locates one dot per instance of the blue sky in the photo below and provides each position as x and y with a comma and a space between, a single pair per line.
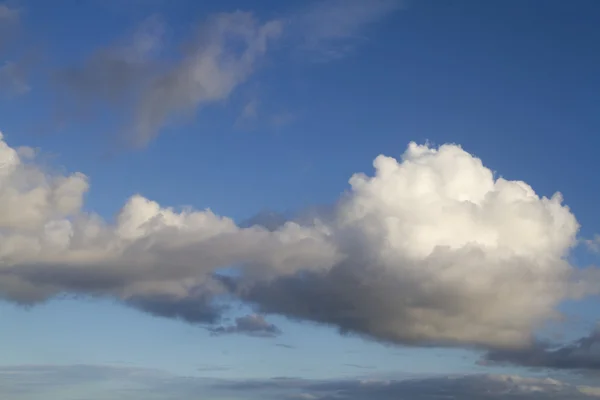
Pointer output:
306, 95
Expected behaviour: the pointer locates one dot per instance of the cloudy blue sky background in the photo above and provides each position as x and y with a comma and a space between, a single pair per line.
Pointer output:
267, 108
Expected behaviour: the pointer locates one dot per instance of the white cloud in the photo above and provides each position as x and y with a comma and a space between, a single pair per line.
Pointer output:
436, 249
432, 248
50, 245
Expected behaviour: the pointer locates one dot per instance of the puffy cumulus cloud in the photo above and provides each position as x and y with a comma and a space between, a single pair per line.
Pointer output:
430, 249
252, 325
155, 258
435, 249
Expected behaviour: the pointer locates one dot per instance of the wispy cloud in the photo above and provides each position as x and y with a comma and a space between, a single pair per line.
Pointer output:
112, 73
285, 346
209, 72
13, 74
222, 55
151, 94
593, 244
9, 14
13, 78
279, 120
331, 29
251, 325
359, 366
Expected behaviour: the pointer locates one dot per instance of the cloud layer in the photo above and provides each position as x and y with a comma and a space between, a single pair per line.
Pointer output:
449, 387
431, 249
101, 382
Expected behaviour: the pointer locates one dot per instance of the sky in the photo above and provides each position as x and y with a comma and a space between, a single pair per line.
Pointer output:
328, 199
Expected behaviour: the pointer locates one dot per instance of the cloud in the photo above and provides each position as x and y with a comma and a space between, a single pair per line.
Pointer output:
222, 55
252, 325
583, 354
330, 29
360, 366
151, 92
13, 78
114, 73
8, 14
450, 387
279, 120
593, 244
105, 381
154, 258
100, 382
13, 74
438, 251
250, 110
431, 249
285, 346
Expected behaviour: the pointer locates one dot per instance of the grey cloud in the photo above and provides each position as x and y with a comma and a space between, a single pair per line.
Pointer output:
200, 308
582, 354
113, 73
209, 72
268, 219
252, 325
13, 73
13, 78
9, 17
454, 387
23, 382
222, 55
381, 312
